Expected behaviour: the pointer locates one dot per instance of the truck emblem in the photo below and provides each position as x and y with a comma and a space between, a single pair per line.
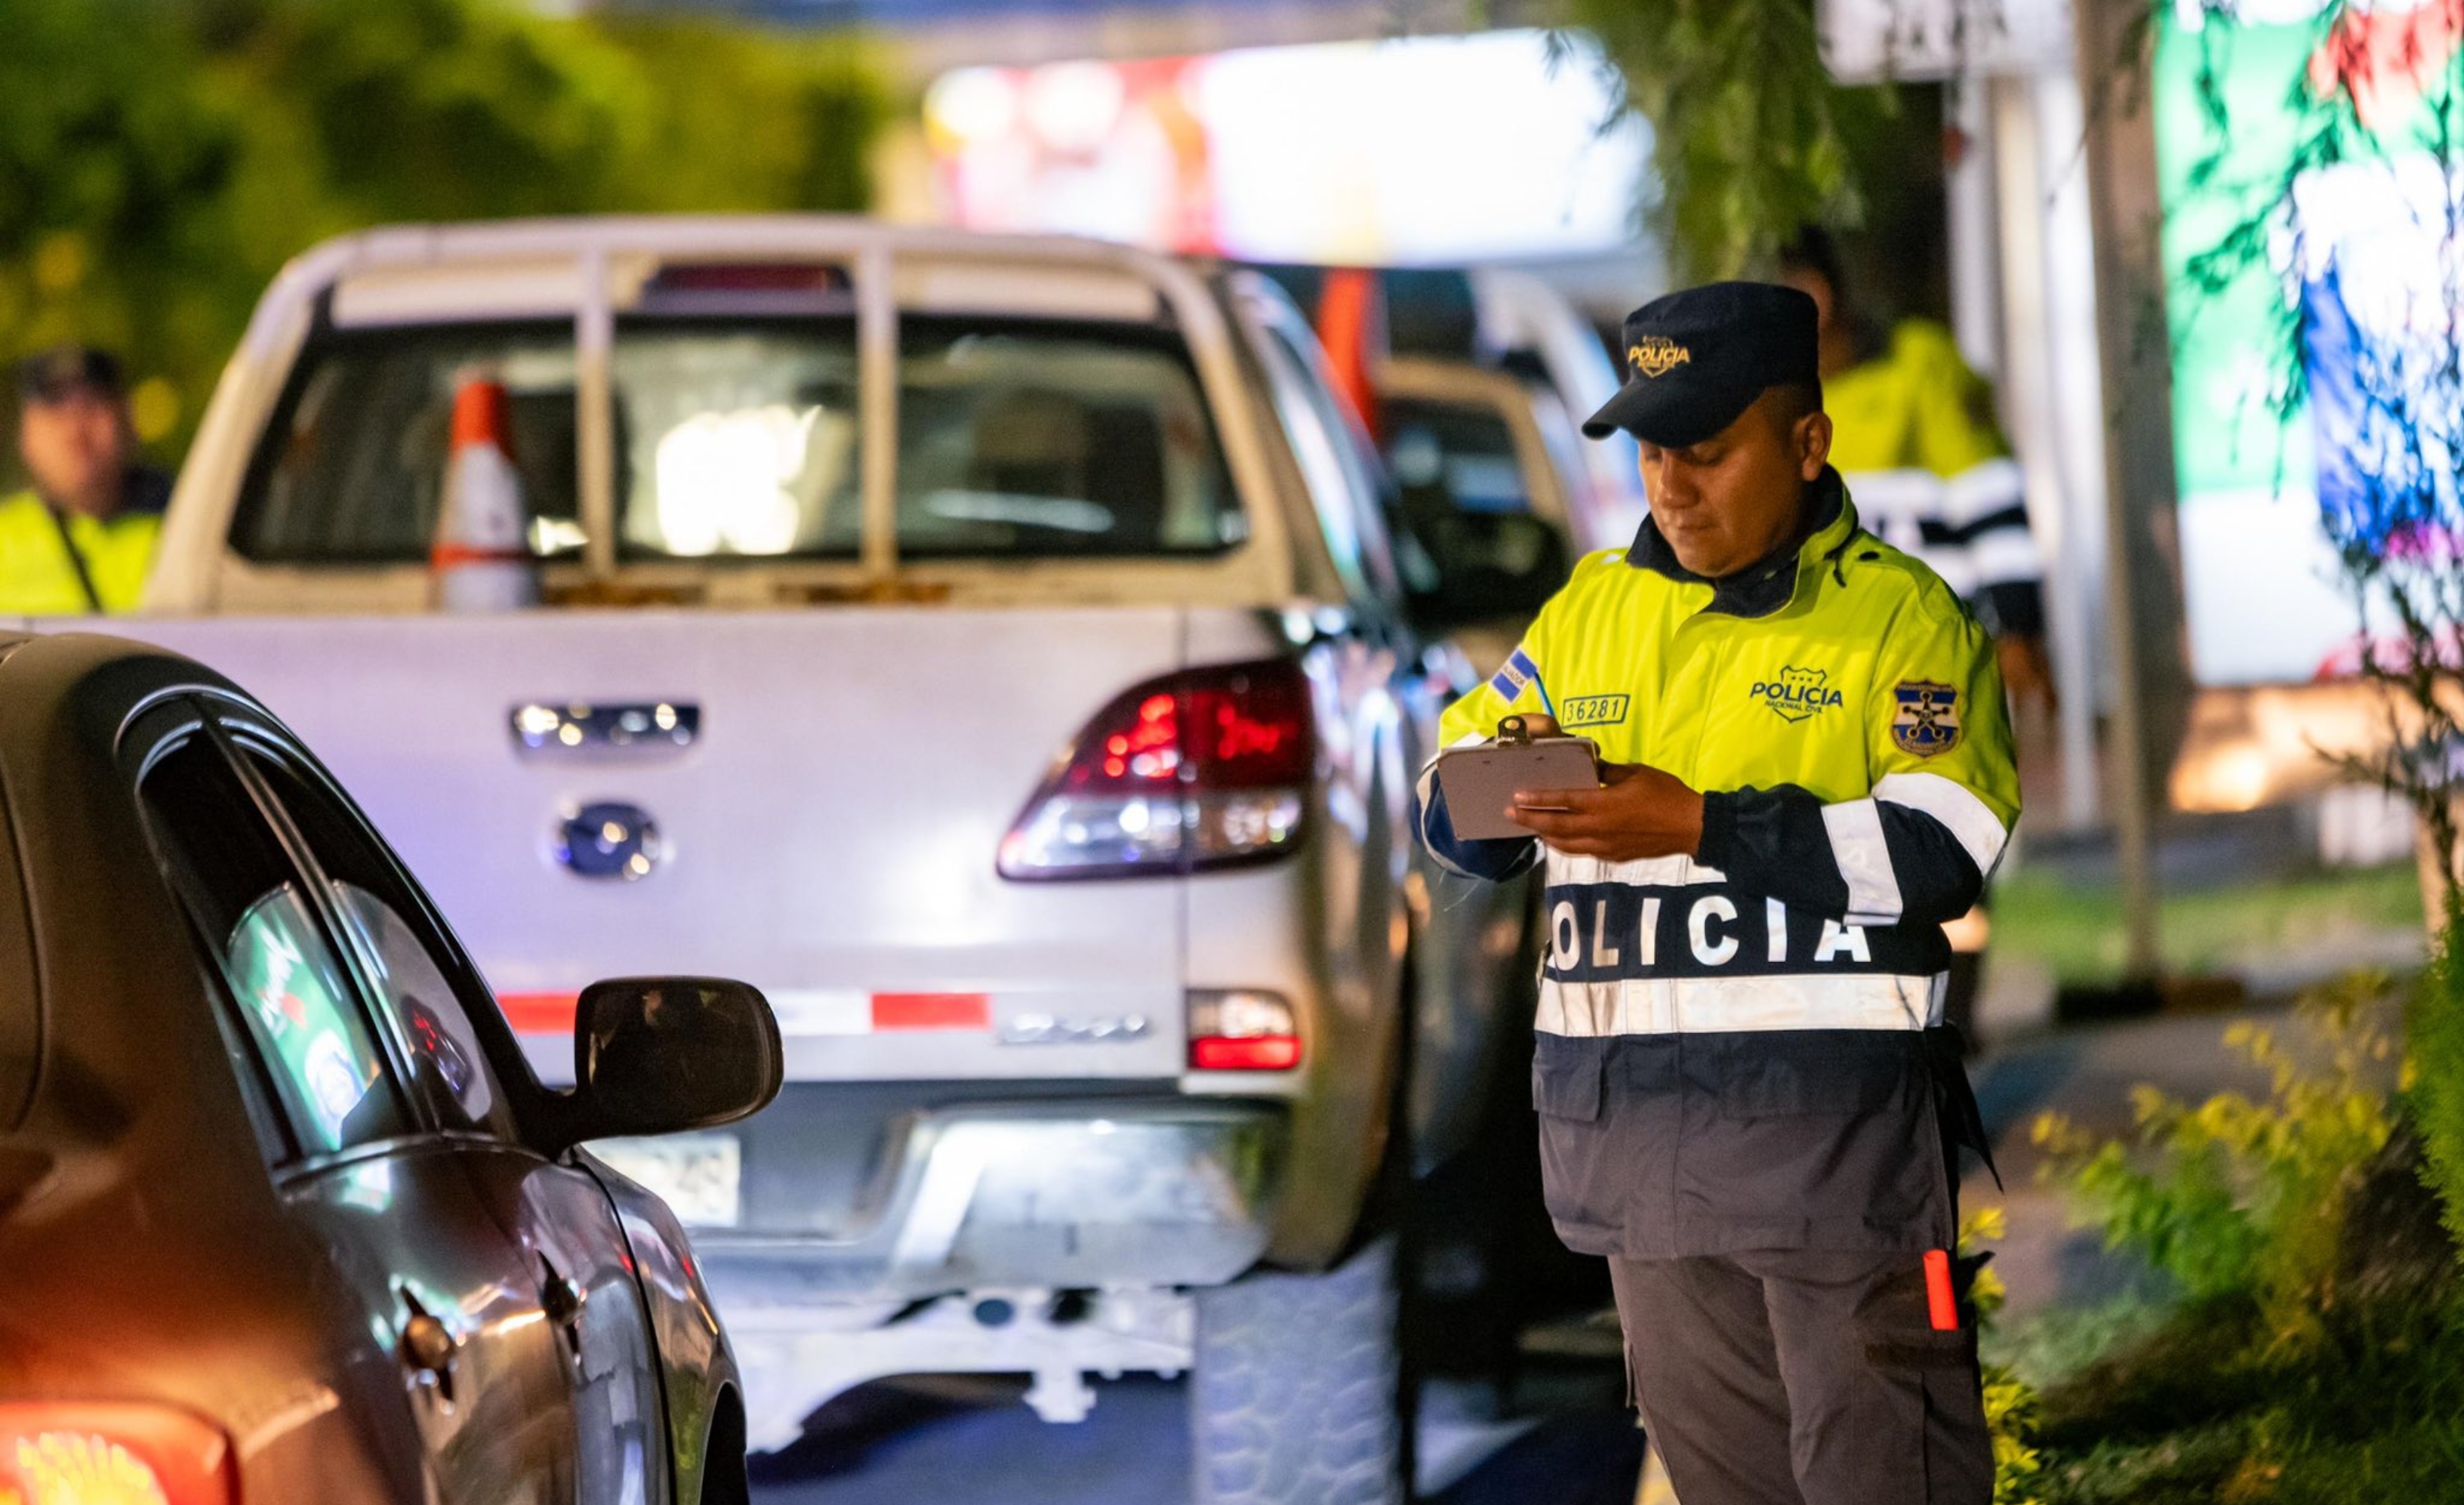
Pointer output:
608, 839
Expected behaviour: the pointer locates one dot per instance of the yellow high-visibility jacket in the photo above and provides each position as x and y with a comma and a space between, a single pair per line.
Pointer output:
1913, 432
1737, 1050
38, 576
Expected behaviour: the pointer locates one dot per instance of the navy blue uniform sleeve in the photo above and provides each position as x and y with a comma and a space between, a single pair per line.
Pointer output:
1785, 843
1492, 860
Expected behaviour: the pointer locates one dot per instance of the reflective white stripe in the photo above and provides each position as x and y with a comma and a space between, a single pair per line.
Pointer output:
1970, 819
1890, 504
1890, 493
1703, 1004
1864, 861
1641, 873
1983, 490
2004, 555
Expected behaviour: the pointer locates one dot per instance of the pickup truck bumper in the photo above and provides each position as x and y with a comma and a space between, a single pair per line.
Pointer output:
1078, 1194
1045, 1237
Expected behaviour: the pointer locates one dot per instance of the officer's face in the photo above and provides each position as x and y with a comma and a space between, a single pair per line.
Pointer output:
1732, 498
76, 448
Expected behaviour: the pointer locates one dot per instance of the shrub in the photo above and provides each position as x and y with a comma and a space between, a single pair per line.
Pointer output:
2435, 1032
2237, 1196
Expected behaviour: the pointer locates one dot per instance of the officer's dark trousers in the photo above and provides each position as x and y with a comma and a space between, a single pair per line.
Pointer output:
1805, 1377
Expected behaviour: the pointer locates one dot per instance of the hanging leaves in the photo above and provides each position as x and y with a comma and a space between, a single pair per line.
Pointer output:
1751, 137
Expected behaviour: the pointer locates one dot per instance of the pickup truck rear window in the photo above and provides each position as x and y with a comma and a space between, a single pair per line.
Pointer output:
1016, 438
352, 469
740, 437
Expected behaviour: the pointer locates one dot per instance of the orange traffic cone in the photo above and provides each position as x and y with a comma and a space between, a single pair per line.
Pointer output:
481, 560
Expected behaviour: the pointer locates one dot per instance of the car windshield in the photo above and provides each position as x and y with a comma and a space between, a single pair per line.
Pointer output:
739, 439
1454, 456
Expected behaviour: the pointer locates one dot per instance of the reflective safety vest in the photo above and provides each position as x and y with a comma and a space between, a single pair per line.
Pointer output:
39, 574
1736, 1049
1913, 432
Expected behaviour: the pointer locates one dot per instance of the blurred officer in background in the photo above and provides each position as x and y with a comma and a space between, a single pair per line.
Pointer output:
1915, 438
1746, 1100
81, 537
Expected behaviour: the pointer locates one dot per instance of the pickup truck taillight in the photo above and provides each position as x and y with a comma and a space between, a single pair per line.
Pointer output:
111, 1454
1206, 768
1242, 1032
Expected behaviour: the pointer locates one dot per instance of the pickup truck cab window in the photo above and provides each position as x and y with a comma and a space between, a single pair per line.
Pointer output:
1017, 438
351, 471
276, 954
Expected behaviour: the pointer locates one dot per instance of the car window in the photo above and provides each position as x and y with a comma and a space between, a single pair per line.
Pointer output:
1454, 457
1458, 472
1017, 438
410, 967
351, 471
262, 934
1343, 487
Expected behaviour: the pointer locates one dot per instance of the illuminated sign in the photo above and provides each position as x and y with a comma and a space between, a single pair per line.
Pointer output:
1433, 149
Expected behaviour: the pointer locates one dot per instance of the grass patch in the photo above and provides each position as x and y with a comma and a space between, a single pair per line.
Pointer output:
2076, 931
2204, 1409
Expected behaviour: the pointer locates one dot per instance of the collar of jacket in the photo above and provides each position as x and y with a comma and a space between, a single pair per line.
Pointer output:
1769, 585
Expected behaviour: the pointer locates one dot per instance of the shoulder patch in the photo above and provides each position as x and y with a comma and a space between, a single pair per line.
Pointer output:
1928, 723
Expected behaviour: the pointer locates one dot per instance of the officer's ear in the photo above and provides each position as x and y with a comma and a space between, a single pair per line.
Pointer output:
1810, 444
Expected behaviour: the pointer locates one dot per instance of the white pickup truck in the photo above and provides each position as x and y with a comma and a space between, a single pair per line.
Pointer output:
997, 651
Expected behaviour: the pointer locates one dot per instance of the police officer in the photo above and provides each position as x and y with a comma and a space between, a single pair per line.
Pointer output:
82, 537
1745, 1099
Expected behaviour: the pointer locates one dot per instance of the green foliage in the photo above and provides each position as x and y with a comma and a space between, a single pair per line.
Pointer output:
158, 162
2316, 1352
1750, 135
2436, 1036
2237, 1197
2010, 1402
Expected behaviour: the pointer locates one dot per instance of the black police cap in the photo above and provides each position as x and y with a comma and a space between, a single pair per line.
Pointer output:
1694, 359
53, 374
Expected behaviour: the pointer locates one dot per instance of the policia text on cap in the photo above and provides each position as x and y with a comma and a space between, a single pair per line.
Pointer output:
1746, 1100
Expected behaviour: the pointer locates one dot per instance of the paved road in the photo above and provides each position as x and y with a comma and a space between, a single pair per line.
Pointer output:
973, 1441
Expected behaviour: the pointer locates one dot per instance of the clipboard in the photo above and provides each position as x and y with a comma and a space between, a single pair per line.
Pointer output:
1480, 782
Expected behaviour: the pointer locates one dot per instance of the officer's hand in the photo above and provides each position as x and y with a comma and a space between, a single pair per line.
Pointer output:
2026, 671
1640, 812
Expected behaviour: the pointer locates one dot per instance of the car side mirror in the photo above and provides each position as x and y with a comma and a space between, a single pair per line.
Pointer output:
1492, 566
663, 1055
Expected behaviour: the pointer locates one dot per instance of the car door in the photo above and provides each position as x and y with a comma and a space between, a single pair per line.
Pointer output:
570, 1245
1391, 704
442, 1318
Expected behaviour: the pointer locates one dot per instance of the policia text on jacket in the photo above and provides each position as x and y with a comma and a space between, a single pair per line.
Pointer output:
1748, 1101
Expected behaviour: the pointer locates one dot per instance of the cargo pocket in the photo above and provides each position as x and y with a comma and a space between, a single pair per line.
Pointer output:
1581, 1180
1566, 1077
1935, 1377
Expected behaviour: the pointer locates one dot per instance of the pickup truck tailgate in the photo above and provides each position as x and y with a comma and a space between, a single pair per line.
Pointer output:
826, 823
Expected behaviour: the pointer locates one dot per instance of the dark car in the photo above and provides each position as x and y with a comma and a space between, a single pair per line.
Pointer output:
283, 1215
